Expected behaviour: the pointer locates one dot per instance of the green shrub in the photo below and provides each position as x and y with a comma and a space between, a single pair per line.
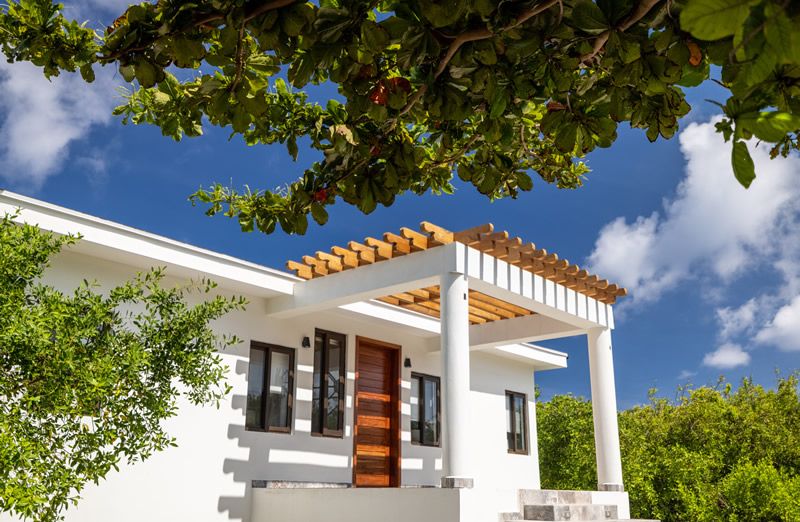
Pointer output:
709, 454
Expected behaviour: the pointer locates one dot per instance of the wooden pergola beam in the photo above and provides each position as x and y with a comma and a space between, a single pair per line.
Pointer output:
482, 308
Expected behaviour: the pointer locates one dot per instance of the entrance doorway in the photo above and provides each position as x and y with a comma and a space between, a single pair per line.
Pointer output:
376, 434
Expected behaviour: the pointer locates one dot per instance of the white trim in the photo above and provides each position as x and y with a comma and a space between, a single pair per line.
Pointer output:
101, 236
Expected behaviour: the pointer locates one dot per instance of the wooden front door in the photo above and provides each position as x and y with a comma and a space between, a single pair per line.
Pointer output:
376, 440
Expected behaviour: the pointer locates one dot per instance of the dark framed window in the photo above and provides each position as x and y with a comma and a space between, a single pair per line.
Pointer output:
327, 401
425, 409
270, 388
517, 422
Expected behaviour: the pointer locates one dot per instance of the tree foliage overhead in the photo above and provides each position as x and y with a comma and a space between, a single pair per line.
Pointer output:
713, 453
488, 90
86, 379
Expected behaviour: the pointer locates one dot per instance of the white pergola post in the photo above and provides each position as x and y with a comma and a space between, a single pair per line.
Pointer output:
455, 380
604, 411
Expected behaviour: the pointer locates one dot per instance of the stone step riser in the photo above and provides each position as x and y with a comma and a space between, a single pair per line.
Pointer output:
569, 512
554, 496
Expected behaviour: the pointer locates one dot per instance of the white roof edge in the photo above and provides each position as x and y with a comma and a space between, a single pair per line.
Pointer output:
546, 350
25, 202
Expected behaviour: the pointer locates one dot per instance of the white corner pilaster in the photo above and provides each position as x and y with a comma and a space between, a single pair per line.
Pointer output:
604, 410
455, 380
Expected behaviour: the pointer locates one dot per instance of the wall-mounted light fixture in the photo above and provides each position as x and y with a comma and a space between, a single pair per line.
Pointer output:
306, 342
407, 362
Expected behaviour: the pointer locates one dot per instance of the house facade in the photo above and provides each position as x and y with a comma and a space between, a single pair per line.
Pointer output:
391, 379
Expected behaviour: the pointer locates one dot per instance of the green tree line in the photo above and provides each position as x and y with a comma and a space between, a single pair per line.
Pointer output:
710, 453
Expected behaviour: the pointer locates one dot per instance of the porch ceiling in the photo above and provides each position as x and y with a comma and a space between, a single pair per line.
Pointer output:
482, 308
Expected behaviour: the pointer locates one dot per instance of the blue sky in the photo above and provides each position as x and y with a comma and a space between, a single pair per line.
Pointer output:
713, 270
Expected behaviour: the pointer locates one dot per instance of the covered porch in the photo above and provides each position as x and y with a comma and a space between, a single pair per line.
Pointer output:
479, 291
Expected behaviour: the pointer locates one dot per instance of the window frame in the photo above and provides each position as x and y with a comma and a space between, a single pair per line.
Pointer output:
268, 350
423, 377
514, 395
324, 431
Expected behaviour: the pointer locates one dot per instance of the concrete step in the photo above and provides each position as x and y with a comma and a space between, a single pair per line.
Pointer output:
554, 496
570, 512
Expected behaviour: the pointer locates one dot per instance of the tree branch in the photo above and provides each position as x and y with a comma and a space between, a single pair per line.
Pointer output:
482, 34
261, 9
464, 150
239, 59
732, 54
469, 36
641, 9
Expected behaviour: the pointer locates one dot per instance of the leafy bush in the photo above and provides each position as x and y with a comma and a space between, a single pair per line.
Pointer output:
710, 453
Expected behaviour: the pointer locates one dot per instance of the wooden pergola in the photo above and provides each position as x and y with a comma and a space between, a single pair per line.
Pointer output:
482, 308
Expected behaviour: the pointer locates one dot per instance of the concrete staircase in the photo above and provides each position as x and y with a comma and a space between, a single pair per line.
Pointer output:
549, 504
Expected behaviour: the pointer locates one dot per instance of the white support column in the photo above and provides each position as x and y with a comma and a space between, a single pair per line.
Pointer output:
604, 410
455, 381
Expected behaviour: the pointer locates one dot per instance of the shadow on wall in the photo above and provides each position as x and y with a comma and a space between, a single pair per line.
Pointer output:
278, 456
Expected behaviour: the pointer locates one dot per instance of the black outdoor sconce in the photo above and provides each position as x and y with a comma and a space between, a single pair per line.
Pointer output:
306, 342
407, 362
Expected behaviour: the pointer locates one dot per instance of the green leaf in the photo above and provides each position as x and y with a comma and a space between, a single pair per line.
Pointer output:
373, 36
714, 19
524, 182
794, 45
241, 119
291, 146
128, 72
87, 73
319, 213
186, 53
588, 17
778, 32
770, 126
330, 23
566, 136
743, 167
145, 74
756, 71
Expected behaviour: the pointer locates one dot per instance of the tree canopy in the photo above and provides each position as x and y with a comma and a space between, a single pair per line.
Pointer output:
87, 378
489, 90
712, 453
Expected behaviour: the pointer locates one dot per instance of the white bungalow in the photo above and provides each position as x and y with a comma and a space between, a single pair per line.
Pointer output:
390, 380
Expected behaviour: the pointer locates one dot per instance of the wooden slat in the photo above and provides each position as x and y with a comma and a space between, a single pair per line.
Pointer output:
300, 269
436, 235
496, 310
334, 262
382, 248
503, 247
418, 241
472, 235
518, 310
380, 397
366, 255
373, 450
348, 257
317, 266
400, 245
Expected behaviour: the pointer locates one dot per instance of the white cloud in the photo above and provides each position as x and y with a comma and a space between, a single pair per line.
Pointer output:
685, 374
713, 226
729, 355
784, 329
39, 119
711, 233
734, 321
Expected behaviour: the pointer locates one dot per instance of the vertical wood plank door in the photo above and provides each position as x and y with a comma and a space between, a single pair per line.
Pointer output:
376, 441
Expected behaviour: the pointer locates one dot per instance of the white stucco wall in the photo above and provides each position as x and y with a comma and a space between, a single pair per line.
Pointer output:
208, 477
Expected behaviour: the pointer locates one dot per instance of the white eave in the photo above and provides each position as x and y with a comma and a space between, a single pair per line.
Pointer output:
129, 246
